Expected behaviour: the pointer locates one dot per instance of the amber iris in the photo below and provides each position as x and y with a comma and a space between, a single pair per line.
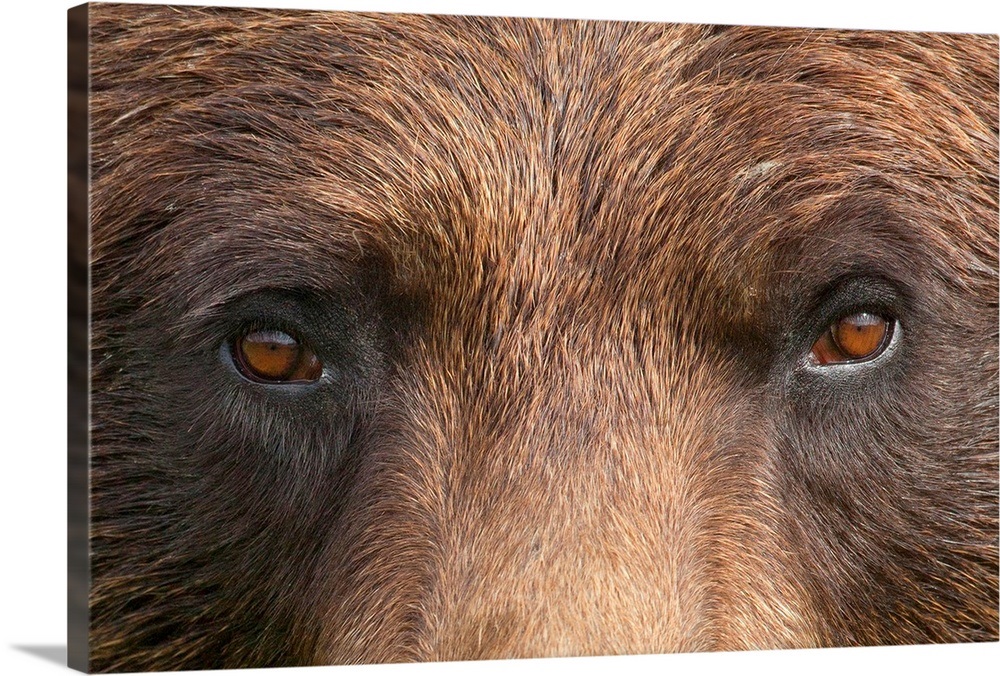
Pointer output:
275, 357
857, 337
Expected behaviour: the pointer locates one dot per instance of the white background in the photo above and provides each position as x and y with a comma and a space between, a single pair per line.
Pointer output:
33, 347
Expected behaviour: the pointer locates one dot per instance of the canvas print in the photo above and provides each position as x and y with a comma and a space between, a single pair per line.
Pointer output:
425, 338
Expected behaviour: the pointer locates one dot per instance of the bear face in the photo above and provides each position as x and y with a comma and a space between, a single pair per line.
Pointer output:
431, 338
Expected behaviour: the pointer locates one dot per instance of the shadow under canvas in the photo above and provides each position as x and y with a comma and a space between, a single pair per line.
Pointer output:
50, 653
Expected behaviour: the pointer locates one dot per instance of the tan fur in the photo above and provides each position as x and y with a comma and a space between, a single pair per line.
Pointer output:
585, 248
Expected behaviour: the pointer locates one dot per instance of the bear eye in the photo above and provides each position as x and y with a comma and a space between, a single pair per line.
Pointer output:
855, 338
270, 356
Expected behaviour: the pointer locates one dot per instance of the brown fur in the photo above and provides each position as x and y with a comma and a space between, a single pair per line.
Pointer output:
566, 274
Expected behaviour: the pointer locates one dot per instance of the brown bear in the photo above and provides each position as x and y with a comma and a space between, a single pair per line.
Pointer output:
439, 338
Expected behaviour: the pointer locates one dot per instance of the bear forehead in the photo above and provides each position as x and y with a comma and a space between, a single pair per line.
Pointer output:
564, 156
